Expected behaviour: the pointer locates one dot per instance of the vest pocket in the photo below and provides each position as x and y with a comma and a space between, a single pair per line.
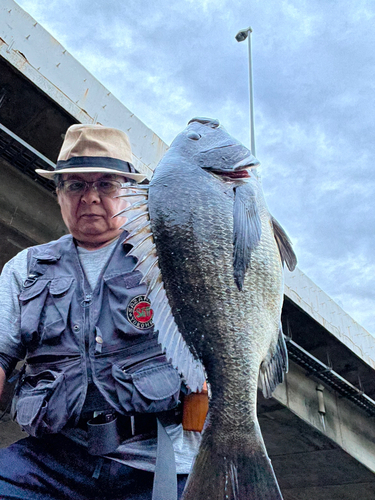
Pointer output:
45, 308
32, 299
40, 405
56, 311
147, 387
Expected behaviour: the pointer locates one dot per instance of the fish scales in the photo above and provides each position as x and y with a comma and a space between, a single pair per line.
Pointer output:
221, 268
205, 301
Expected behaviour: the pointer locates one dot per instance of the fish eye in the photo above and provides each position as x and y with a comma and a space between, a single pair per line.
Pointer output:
194, 135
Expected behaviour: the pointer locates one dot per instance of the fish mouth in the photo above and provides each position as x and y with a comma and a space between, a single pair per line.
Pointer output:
231, 160
237, 174
240, 170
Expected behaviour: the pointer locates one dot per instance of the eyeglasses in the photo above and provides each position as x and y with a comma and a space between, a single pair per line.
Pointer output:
103, 187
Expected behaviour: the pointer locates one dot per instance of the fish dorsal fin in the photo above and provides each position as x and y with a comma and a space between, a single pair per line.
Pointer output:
143, 249
285, 245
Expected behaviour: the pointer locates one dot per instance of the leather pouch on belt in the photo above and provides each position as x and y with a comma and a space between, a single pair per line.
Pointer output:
195, 408
103, 435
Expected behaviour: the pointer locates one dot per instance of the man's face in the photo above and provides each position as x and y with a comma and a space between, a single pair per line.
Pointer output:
88, 215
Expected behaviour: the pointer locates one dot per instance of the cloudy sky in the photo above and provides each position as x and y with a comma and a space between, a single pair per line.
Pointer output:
314, 79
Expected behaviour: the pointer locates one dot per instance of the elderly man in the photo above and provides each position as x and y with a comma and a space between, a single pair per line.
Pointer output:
95, 378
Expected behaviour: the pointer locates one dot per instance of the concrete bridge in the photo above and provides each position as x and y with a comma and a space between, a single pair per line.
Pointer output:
320, 426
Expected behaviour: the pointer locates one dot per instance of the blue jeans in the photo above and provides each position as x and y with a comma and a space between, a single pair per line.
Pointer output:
56, 468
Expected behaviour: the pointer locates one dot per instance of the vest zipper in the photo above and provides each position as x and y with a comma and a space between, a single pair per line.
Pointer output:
86, 303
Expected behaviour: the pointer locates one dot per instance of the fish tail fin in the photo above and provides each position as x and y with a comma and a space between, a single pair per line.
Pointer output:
242, 472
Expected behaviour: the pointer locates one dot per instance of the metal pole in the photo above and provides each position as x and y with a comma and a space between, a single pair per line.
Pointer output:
252, 129
240, 37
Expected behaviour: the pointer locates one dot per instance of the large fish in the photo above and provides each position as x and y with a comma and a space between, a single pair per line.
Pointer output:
212, 257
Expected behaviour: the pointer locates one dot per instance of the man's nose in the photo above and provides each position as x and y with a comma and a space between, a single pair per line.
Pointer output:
90, 195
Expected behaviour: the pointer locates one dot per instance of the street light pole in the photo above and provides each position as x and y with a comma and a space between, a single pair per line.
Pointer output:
240, 37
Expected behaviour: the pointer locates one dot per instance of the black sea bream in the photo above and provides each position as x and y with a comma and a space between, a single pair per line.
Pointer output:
212, 257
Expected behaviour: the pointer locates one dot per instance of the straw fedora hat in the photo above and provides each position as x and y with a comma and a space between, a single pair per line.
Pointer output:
94, 148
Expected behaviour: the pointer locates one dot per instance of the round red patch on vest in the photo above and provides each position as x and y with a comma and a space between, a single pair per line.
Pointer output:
139, 312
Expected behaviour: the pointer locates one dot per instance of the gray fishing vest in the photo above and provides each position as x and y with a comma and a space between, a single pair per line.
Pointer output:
76, 336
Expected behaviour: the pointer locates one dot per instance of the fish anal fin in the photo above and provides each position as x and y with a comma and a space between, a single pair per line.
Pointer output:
274, 366
285, 245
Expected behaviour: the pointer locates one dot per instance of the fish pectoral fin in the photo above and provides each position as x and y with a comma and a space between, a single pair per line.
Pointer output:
247, 230
285, 245
274, 366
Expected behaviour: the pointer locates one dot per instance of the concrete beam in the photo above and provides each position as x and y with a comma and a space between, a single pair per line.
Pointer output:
343, 422
316, 303
27, 207
28, 47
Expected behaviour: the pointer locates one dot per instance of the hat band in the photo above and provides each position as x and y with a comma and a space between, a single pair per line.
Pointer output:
94, 161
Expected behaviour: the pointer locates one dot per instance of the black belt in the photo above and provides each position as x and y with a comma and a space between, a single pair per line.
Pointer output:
108, 429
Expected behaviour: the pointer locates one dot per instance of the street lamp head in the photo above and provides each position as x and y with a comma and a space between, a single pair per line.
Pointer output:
243, 34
